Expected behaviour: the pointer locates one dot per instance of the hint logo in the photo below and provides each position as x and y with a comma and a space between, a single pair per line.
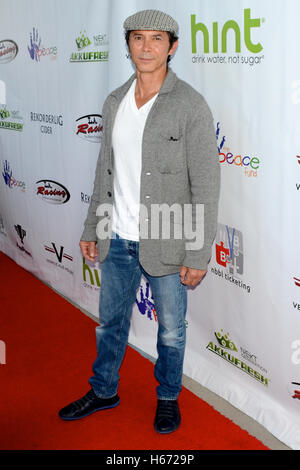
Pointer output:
221, 39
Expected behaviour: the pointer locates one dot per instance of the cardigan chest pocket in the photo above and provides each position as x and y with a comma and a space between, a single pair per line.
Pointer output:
169, 153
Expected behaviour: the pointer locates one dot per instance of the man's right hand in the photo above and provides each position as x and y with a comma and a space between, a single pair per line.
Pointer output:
89, 250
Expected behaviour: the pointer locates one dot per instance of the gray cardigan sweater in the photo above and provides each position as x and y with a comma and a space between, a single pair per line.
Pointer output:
180, 167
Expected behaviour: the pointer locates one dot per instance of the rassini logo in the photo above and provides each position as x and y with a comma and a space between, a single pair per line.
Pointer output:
216, 41
52, 192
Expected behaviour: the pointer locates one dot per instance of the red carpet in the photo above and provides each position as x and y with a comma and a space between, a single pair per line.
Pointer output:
50, 347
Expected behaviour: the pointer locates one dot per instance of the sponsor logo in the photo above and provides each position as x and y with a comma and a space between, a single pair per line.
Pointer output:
229, 256
216, 41
47, 121
60, 255
226, 349
9, 180
86, 198
52, 192
10, 119
89, 127
145, 303
84, 42
8, 51
91, 276
21, 234
2, 228
297, 281
250, 357
249, 164
294, 390
37, 50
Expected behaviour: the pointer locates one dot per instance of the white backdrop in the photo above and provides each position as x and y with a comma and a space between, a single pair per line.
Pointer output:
58, 62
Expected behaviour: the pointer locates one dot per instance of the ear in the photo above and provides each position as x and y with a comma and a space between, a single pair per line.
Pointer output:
173, 48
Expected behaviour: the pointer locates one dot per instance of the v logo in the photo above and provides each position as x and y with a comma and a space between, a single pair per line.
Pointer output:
60, 255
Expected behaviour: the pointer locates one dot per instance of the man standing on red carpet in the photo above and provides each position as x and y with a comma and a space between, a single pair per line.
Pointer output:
153, 212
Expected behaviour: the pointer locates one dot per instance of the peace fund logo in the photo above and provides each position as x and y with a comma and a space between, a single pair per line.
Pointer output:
215, 39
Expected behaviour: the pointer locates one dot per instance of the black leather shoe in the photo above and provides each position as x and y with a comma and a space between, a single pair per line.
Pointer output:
167, 418
87, 405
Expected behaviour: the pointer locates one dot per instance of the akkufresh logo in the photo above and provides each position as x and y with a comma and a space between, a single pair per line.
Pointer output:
83, 42
10, 119
213, 40
225, 343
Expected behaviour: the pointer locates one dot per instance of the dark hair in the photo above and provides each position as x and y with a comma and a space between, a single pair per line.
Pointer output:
172, 38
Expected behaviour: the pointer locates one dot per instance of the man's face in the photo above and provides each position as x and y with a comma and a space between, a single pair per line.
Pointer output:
149, 50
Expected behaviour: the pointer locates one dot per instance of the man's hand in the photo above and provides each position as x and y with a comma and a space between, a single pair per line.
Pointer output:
191, 276
89, 250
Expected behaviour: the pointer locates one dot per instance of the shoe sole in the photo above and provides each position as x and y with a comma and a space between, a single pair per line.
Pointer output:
167, 432
91, 412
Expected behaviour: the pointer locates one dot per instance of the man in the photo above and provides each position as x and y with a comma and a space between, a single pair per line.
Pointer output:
158, 149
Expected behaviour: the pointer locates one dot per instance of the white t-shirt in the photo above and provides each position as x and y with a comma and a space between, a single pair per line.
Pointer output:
127, 147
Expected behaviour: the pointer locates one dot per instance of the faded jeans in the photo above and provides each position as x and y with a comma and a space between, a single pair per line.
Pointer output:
121, 274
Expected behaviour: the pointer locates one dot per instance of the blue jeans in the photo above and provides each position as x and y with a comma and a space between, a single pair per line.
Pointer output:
120, 278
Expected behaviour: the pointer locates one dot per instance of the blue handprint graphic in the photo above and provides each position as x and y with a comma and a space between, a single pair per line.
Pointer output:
7, 173
35, 44
146, 306
217, 136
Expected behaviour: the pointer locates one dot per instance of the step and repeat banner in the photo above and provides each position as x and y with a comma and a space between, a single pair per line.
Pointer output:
58, 62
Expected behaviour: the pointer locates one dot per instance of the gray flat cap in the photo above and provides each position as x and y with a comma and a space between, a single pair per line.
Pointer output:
151, 20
